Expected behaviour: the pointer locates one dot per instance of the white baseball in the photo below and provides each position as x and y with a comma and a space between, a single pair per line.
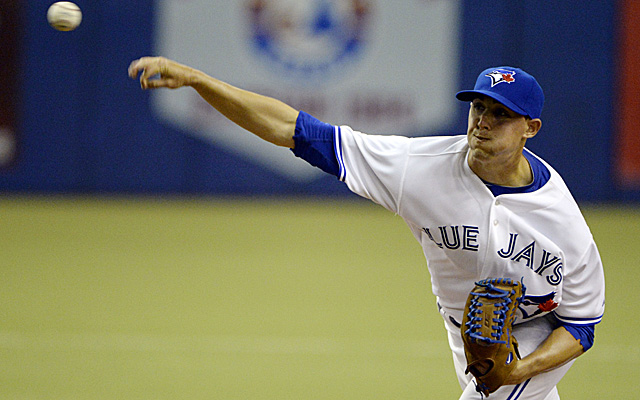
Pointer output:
64, 16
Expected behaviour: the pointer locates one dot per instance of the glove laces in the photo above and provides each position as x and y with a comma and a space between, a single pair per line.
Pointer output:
501, 300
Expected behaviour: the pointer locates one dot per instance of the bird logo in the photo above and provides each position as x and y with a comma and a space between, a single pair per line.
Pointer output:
501, 75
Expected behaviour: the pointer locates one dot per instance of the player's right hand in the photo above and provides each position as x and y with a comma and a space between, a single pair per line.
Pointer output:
160, 72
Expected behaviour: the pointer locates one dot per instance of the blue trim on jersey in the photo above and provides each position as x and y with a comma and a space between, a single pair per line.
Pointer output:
541, 176
339, 156
578, 321
314, 143
517, 391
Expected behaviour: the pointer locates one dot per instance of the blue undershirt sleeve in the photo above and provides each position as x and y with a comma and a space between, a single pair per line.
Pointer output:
584, 333
314, 143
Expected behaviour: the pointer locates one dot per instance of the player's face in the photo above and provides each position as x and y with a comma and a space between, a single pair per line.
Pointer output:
494, 130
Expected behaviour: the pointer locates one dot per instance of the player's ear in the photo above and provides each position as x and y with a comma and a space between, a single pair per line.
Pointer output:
533, 126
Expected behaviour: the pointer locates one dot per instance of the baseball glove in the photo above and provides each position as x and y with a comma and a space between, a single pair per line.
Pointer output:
489, 346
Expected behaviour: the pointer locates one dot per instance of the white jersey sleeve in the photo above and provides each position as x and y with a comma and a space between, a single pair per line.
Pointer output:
583, 290
372, 166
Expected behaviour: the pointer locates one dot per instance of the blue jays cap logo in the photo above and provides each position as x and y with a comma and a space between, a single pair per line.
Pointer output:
501, 75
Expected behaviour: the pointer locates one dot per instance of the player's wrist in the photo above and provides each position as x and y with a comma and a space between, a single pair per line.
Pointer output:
194, 78
519, 374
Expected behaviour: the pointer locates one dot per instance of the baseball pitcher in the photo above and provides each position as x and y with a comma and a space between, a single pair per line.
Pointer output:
517, 275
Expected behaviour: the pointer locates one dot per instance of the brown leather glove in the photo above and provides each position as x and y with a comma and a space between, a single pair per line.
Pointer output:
489, 345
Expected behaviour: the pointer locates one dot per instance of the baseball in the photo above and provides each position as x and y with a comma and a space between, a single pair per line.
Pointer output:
64, 16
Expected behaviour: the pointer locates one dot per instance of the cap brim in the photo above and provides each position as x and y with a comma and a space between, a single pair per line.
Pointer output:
469, 95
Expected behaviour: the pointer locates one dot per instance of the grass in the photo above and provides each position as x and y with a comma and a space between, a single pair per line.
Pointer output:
251, 299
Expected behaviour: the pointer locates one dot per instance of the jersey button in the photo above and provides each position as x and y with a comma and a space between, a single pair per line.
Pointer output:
495, 222
497, 202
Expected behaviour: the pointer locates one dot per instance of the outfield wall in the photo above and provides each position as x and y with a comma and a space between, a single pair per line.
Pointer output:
74, 122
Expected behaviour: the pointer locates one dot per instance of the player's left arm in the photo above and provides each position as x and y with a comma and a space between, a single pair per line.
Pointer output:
574, 335
581, 310
558, 349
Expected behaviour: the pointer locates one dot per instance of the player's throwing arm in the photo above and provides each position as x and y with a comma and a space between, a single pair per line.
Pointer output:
266, 117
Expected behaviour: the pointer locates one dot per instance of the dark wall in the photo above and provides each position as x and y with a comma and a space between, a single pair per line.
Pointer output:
84, 127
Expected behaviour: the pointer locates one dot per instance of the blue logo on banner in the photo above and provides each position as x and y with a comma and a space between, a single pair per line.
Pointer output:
306, 39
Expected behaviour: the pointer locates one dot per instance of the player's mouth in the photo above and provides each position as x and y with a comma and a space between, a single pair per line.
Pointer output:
481, 138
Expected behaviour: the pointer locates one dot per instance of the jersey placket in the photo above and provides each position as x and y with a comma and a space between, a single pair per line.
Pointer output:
498, 227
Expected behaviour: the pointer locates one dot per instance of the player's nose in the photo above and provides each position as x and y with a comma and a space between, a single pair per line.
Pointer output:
483, 121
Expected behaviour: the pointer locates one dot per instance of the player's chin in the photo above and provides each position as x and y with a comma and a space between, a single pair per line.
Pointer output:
481, 151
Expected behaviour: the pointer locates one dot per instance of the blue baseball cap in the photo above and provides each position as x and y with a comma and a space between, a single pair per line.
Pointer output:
510, 86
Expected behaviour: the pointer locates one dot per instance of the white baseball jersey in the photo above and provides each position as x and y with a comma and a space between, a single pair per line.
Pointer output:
467, 234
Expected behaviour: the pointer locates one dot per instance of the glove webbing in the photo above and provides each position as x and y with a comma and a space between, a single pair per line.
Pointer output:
500, 312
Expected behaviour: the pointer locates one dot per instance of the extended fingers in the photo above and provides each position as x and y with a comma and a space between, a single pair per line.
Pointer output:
137, 65
158, 72
150, 67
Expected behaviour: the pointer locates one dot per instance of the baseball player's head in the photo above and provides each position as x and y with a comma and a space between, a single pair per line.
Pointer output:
506, 104
513, 87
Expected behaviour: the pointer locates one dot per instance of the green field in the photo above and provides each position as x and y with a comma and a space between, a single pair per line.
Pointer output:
240, 299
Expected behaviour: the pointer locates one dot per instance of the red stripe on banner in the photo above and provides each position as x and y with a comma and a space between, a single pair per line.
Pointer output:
627, 160
10, 21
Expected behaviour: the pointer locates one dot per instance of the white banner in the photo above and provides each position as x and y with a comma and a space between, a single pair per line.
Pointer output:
380, 66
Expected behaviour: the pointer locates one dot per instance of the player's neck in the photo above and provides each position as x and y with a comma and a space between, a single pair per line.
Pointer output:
516, 173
